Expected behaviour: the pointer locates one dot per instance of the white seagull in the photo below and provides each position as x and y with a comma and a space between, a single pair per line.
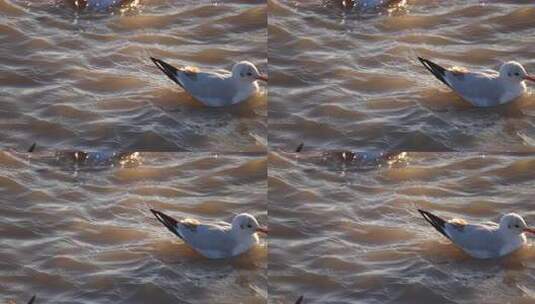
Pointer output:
483, 89
216, 89
483, 241
215, 241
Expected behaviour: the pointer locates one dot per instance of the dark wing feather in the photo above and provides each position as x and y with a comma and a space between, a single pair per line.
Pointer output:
32, 148
435, 69
31, 300
167, 221
435, 221
168, 70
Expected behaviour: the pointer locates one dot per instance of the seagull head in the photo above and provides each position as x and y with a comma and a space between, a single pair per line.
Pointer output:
515, 224
247, 72
245, 223
514, 71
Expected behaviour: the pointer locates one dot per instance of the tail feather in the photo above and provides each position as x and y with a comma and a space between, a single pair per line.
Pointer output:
167, 221
31, 300
300, 300
167, 69
435, 69
435, 221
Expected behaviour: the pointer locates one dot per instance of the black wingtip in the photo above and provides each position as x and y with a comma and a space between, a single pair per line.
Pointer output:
32, 147
167, 221
167, 69
435, 221
300, 147
435, 69
31, 300
300, 300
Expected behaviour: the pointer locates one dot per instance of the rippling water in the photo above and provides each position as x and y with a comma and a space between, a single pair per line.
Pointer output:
348, 79
345, 231
82, 232
76, 227
84, 80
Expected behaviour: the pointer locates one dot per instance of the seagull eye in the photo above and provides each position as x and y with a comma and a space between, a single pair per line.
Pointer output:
249, 226
516, 226
249, 74
517, 74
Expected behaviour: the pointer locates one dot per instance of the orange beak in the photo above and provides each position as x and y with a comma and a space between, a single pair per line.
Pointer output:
530, 78
530, 230
262, 229
265, 78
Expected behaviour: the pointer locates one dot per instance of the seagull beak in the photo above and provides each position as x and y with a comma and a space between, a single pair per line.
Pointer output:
530, 78
530, 230
262, 229
265, 78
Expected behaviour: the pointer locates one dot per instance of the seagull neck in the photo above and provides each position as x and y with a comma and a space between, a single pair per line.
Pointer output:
235, 230
236, 77
507, 233
237, 235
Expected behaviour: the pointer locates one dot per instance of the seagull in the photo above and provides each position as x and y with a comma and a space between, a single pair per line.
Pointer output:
98, 4
215, 241
483, 241
366, 4
215, 89
483, 89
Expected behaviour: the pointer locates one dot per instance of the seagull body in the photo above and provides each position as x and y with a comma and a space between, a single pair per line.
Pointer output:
367, 4
98, 5
483, 241
483, 89
215, 241
102, 4
216, 89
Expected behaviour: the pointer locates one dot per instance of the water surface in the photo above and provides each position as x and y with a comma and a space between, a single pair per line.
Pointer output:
350, 79
347, 231
81, 231
83, 80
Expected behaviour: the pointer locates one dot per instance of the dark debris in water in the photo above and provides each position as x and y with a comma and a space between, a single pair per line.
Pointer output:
365, 160
99, 159
95, 159
347, 160
361, 9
